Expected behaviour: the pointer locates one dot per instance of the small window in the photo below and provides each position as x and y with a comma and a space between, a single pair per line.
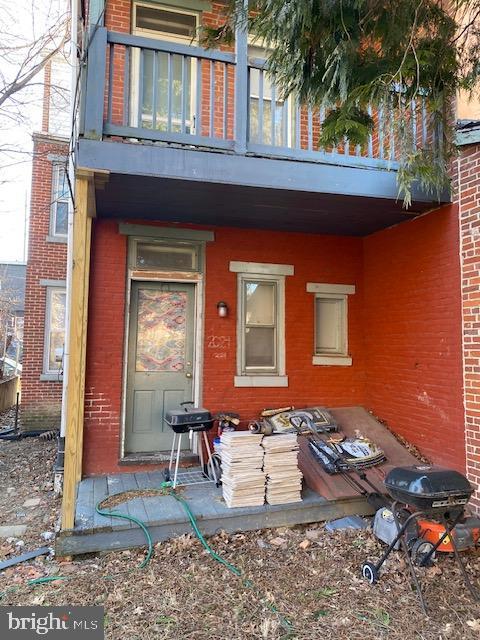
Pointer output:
160, 20
60, 199
330, 325
330, 331
162, 257
54, 330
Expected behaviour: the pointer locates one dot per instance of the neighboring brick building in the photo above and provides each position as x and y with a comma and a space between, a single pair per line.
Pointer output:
44, 328
468, 138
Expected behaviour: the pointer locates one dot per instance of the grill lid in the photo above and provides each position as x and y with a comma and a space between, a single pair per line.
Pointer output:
187, 415
428, 481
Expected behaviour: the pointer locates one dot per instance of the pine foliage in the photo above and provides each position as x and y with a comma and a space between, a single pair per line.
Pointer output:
349, 56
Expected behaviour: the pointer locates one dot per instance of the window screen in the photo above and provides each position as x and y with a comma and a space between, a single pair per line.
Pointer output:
162, 20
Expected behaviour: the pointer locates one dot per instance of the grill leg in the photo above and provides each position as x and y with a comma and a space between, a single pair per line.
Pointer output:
406, 551
466, 579
177, 460
171, 452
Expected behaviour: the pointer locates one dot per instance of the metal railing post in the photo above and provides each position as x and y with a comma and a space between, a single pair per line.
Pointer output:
95, 84
241, 80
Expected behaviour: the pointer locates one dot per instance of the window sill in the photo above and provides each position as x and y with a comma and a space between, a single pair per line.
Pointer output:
51, 377
57, 239
332, 360
261, 381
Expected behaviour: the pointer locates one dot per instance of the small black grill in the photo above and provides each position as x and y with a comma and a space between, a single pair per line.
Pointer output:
189, 419
428, 488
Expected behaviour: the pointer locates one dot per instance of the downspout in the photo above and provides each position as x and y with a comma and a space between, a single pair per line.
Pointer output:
74, 88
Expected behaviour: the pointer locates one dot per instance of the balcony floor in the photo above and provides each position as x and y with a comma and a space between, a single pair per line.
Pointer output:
152, 182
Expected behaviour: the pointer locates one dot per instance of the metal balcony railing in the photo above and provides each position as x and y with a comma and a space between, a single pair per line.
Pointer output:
143, 89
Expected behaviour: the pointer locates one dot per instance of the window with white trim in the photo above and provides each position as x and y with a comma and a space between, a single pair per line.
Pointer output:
60, 198
54, 330
168, 81
261, 324
330, 323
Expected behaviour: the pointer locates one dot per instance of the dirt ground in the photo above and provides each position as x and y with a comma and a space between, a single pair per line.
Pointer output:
286, 590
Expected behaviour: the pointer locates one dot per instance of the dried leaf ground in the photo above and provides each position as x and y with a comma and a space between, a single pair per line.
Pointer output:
184, 593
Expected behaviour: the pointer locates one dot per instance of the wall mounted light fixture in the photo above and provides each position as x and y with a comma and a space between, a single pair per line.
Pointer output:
222, 309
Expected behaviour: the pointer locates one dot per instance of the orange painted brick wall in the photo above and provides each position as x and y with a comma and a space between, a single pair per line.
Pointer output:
412, 320
468, 179
315, 259
41, 400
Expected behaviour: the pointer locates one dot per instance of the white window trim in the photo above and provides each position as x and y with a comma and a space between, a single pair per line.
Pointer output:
324, 290
47, 373
262, 268
53, 235
257, 378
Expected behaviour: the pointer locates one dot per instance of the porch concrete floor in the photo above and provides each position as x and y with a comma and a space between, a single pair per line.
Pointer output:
166, 518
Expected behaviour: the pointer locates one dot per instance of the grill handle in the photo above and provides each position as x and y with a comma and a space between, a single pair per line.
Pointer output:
182, 404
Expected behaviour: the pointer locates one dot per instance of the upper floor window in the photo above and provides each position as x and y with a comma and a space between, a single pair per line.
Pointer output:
60, 198
164, 98
163, 21
271, 118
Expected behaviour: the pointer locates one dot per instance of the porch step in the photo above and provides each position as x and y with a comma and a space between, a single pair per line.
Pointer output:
165, 517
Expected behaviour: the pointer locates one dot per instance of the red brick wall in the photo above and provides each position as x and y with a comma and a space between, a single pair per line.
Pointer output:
106, 322
41, 400
315, 259
412, 321
469, 203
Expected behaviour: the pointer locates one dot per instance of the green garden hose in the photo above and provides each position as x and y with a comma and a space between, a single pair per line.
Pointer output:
170, 491
115, 514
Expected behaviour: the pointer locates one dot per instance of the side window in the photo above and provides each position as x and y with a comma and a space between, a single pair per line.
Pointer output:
330, 323
60, 198
54, 330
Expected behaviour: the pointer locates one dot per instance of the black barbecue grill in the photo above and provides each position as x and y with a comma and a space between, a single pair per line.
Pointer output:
421, 492
429, 488
190, 419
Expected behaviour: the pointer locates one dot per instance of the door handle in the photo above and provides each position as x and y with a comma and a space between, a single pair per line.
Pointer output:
188, 375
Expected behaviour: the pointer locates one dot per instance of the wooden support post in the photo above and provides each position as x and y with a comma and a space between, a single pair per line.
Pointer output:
82, 227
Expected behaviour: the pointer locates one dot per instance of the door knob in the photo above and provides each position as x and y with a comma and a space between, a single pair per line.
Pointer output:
188, 375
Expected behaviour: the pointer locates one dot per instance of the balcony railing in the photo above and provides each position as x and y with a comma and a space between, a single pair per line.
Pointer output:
144, 89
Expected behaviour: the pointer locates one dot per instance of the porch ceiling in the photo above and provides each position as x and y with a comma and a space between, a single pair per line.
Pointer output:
178, 185
147, 198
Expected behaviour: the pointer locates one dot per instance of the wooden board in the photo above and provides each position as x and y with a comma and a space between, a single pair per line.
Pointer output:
350, 420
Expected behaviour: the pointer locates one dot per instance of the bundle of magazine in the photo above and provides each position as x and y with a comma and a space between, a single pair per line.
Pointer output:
257, 467
243, 478
284, 479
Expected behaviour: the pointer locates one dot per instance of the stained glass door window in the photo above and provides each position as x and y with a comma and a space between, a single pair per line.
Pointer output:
161, 330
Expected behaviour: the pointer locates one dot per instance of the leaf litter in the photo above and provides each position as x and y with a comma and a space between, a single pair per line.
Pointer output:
183, 594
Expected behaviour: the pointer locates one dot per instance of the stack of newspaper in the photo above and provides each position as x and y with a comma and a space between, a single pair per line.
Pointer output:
284, 479
243, 479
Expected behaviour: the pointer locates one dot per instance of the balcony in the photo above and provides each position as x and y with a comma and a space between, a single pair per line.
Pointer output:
210, 128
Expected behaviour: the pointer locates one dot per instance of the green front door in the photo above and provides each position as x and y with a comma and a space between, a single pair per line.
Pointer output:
160, 361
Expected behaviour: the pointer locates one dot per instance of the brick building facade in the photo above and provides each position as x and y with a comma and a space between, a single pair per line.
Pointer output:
468, 180
399, 290
47, 257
